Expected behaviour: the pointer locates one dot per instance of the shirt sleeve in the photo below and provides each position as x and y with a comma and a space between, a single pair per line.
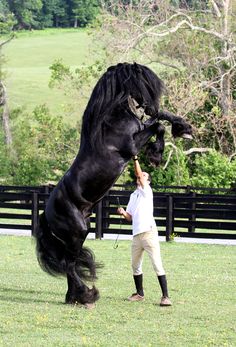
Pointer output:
128, 208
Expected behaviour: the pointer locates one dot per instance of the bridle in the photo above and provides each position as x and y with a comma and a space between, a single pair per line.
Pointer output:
137, 109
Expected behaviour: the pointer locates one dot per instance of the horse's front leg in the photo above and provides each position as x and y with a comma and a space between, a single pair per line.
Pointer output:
180, 128
154, 149
143, 136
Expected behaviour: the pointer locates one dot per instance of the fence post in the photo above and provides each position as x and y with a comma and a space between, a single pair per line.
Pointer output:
105, 211
169, 217
192, 218
98, 221
34, 213
188, 189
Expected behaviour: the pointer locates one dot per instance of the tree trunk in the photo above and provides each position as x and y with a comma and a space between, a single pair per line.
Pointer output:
225, 97
5, 115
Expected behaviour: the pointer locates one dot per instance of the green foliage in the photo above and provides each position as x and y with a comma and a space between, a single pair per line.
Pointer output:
44, 148
38, 14
82, 78
213, 170
59, 73
85, 11
4, 159
7, 22
26, 12
52, 12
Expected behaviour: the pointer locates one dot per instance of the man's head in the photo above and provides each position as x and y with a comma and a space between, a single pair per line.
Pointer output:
145, 178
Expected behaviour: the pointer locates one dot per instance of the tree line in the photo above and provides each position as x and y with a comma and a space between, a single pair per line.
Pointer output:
40, 14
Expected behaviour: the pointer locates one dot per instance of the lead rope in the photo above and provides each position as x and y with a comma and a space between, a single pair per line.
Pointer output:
115, 245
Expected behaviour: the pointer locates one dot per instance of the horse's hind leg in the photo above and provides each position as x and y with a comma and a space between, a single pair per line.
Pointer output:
78, 292
80, 266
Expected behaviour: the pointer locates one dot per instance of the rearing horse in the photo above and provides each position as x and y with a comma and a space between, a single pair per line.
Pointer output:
112, 132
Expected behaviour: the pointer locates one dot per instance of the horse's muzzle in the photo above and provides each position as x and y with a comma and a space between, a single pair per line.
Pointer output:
187, 136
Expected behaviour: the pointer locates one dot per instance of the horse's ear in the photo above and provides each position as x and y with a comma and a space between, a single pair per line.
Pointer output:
137, 67
110, 68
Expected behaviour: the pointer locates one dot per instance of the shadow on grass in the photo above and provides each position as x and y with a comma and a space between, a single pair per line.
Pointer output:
20, 295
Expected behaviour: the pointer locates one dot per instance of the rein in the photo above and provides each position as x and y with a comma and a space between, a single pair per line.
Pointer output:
115, 246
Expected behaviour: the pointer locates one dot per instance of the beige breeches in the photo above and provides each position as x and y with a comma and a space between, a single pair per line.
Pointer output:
147, 241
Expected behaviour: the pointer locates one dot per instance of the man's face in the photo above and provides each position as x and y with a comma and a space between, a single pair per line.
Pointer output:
145, 178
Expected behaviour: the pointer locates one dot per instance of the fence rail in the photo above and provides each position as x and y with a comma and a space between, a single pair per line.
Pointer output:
180, 211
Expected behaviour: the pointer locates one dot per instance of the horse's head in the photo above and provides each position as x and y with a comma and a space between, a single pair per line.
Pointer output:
137, 83
145, 88
180, 128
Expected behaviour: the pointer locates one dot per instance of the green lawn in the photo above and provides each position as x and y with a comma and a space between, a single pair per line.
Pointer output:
201, 284
29, 56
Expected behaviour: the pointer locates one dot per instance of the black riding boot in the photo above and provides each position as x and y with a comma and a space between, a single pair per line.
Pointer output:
163, 284
138, 280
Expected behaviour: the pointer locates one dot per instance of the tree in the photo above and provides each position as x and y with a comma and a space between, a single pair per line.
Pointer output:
214, 170
6, 35
45, 147
84, 11
26, 12
192, 45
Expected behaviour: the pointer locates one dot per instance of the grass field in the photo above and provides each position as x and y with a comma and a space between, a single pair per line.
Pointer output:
201, 284
28, 58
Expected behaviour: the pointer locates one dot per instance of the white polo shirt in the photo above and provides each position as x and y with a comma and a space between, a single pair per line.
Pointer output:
140, 207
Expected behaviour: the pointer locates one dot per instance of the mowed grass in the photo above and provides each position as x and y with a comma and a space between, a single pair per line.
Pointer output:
201, 284
28, 58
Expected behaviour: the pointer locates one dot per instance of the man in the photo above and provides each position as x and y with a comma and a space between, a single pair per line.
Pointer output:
145, 237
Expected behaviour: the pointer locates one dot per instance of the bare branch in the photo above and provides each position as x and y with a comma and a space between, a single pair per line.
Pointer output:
189, 151
216, 8
197, 150
168, 159
8, 40
183, 25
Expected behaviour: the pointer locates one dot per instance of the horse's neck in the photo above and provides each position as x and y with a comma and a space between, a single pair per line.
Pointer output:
94, 176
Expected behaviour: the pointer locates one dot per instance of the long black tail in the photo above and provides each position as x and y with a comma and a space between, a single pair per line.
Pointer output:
55, 258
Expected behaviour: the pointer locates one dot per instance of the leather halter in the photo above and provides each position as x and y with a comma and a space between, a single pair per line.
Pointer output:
136, 109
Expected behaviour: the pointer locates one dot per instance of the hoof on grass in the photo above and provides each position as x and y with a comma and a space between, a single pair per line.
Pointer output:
89, 305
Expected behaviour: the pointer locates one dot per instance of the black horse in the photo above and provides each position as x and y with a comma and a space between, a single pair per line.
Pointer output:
113, 131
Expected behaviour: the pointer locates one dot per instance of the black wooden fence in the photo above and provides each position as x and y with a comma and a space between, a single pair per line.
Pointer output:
179, 211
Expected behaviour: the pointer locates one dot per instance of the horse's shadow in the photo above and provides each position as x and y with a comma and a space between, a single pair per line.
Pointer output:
26, 296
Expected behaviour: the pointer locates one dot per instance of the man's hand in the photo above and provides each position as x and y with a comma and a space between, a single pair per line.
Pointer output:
121, 211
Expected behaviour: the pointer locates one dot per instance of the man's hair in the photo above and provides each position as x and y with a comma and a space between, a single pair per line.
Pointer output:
149, 178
